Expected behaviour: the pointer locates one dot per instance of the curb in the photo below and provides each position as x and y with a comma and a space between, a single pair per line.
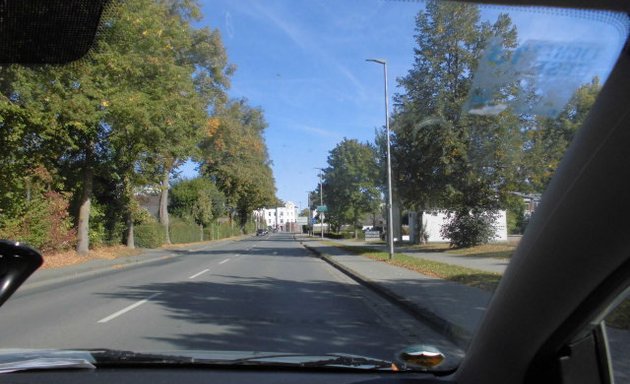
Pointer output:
116, 266
92, 272
458, 335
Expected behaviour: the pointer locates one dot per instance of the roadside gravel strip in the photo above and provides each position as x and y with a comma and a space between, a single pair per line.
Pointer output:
456, 333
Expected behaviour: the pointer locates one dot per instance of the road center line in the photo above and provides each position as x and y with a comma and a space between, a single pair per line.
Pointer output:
127, 309
199, 274
224, 261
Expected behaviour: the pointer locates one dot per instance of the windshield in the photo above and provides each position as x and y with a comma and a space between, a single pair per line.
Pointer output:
310, 177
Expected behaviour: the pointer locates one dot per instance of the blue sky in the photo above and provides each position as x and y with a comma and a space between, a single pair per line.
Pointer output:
303, 63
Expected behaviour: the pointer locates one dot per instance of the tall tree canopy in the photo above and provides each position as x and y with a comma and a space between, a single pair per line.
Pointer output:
444, 157
125, 116
235, 157
350, 182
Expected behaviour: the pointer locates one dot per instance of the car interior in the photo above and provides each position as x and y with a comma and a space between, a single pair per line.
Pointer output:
545, 321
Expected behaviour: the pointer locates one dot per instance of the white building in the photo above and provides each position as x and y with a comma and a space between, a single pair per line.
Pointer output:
432, 223
280, 218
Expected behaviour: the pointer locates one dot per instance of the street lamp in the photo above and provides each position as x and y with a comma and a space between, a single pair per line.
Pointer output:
321, 201
390, 215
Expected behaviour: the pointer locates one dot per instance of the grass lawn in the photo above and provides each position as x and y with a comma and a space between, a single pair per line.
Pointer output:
619, 318
467, 276
495, 250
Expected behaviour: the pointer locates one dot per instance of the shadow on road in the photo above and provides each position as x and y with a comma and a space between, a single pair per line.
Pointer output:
268, 314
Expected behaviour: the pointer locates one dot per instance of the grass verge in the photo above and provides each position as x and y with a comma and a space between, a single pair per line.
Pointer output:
497, 251
467, 276
494, 250
619, 318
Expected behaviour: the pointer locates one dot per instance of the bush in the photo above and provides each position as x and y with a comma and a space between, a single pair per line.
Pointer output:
250, 227
43, 223
184, 232
149, 235
97, 231
466, 229
216, 231
340, 235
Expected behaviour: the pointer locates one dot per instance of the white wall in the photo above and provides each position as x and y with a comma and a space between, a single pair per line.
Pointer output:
432, 222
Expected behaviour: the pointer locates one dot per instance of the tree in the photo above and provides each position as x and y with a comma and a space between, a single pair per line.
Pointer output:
201, 86
442, 157
124, 116
235, 157
351, 182
547, 139
198, 200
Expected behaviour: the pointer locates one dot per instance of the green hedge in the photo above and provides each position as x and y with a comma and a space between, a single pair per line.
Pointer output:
220, 231
180, 231
183, 232
148, 235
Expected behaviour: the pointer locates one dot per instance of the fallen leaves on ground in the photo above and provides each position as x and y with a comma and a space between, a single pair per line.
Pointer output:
67, 258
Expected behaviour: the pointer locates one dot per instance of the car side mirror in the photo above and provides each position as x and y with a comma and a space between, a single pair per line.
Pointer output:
17, 263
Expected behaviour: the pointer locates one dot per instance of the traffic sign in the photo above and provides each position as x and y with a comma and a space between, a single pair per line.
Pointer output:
322, 208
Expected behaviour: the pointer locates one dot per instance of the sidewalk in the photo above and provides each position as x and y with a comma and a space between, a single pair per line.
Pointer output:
452, 309
44, 277
487, 264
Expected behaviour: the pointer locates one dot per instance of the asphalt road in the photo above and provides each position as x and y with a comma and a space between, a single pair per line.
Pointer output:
256, 294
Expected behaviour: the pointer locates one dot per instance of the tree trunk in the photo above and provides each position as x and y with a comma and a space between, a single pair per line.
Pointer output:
164, 204
83, 227
128, 188
130, 240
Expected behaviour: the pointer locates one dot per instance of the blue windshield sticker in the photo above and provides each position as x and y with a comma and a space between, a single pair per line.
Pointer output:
538, 77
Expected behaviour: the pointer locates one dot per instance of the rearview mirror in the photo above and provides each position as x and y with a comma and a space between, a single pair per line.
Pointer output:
17, 263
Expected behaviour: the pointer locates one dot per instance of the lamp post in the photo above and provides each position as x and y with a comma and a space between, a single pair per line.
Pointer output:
390, 215
321, 201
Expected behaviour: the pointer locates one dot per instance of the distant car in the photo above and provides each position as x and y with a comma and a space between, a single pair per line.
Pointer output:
261, 232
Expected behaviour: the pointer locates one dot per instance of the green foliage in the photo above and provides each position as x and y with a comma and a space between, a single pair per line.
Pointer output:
547, 139
235, 156
350, 183
184, 232
467, 229
142, 215
217, 231
197, 200
42, 222
148, 235
131, 111
516, 221
442, 157
97, 225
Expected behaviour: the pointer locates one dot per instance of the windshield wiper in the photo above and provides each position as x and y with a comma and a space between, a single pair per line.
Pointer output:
333, 361
18, 361
328, 360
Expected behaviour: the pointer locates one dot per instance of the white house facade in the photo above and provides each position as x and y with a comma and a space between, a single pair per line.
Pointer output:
281, 218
